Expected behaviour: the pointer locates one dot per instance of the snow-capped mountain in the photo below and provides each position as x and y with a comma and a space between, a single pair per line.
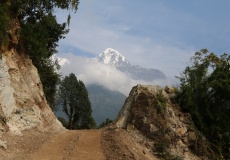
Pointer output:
114, 58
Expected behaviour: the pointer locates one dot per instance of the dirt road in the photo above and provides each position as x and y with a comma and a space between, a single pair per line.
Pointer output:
82, 144
101, 144
64, 145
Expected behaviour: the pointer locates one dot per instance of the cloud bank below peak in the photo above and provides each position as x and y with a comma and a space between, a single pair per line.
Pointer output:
91, 72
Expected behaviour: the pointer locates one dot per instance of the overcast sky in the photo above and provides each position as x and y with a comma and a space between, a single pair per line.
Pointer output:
159, 34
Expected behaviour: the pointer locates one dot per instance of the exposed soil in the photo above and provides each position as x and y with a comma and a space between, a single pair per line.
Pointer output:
112, 144
64, 145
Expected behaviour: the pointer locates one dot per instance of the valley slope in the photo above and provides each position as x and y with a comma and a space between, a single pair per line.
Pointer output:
105, 103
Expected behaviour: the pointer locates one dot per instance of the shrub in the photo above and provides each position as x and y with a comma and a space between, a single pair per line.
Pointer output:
161, 103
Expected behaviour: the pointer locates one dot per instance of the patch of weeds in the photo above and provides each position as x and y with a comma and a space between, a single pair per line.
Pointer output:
161, 102
161, 150
3, 119
162, 145
168, 156
202, 147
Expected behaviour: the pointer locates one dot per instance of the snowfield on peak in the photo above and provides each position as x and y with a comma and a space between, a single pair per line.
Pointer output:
112, 57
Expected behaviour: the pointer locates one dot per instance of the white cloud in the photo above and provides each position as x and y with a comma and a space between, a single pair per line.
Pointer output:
96, 73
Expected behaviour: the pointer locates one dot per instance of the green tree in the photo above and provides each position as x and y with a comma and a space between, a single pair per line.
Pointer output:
205, 93
86, 121
73, 97
30, 27
105, 123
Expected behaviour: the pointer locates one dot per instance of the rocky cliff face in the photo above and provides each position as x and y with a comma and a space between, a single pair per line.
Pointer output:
22, 102
154, 121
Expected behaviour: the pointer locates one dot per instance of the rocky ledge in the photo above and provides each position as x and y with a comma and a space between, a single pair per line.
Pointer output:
153, 120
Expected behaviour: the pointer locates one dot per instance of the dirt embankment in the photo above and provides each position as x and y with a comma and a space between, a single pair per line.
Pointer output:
118, 145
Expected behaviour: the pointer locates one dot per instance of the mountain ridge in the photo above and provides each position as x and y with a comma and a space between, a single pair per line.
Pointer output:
114, 58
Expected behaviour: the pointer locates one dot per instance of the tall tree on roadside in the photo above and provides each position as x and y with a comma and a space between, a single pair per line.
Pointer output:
205, 93
75, 103
86, 120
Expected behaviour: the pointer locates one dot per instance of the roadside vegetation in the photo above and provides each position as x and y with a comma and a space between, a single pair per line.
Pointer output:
204, 92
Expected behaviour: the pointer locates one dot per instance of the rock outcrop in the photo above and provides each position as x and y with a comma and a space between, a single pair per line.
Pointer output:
22, 102
154, 121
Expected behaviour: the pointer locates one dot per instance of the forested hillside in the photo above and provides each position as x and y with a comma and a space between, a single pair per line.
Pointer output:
105, 103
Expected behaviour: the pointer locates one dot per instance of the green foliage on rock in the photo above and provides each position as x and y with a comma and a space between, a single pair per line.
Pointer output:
161, 150
73, 97
205, 93
161, 102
